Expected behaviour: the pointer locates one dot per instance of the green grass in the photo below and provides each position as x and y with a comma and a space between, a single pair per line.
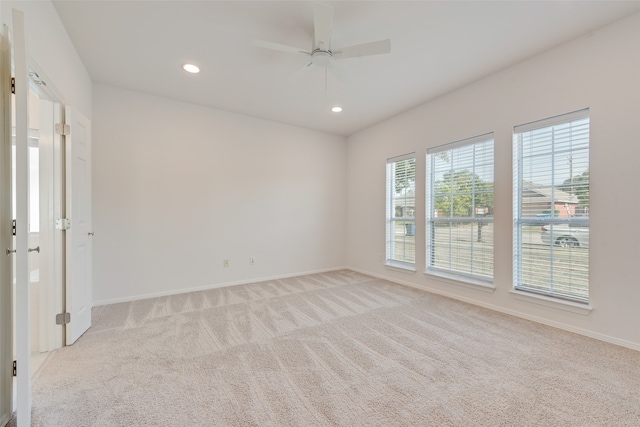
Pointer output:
404, 245
569, 275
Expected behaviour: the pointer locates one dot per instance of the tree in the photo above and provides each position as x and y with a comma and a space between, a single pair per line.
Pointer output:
460, 191
578, 185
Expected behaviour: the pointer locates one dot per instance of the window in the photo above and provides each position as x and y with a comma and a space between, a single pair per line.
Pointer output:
401, 206
460, 208
551, 206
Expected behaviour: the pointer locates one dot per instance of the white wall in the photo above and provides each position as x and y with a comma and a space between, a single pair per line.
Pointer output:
177, 188
600, 71
50, 47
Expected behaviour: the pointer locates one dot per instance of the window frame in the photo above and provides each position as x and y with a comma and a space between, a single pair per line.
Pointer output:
431, 220
391, 259
519, 220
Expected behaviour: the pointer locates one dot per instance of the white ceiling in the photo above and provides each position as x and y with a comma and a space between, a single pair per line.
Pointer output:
436, 47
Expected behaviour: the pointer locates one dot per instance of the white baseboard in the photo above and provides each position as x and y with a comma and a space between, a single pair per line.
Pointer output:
601, 337
213, 286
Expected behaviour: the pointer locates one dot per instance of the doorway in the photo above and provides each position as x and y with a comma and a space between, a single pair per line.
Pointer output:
45, 168
46, 242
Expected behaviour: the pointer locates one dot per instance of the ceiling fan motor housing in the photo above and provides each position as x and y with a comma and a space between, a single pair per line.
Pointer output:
321, 58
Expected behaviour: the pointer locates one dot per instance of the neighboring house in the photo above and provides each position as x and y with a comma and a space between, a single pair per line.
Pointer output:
405, 203
405, 208
542, 201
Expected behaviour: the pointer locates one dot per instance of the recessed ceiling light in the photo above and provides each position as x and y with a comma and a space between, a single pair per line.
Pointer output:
336, 109
191, 68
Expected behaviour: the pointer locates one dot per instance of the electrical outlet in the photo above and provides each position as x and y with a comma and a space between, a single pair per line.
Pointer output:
225, 263
252, 260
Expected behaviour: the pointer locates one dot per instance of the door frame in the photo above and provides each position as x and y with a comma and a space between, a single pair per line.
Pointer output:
52, 240
6, 268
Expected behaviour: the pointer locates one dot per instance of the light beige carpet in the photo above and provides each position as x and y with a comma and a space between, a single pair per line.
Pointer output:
334, 349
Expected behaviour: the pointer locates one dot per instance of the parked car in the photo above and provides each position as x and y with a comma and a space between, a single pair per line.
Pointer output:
567, 236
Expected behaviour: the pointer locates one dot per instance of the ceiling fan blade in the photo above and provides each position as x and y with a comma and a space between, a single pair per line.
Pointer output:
301, 71
322, 21
365, 49
279, 47
340, 73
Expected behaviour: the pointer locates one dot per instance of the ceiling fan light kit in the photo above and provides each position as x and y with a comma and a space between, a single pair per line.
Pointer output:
321, 58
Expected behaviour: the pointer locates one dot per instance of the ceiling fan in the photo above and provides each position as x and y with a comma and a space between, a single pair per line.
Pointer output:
322, 53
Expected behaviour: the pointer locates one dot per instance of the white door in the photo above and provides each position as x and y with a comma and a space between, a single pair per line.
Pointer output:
79, 235
23, 350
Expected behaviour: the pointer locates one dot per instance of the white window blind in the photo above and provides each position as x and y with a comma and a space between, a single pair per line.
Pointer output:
401, 205
459, 223
551, 206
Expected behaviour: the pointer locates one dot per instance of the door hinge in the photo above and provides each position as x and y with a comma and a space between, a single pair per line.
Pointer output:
63, 318
63, 224
63, 129
13, 85
13, 227
15, 368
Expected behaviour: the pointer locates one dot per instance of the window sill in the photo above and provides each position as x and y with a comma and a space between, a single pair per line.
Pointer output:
573, 307
466, 282
404, 268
